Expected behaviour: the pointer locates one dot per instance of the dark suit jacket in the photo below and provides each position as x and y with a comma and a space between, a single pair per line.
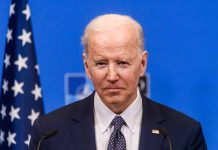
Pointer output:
75, 126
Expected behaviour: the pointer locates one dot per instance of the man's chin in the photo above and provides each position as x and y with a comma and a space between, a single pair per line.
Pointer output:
113, 93
113, 98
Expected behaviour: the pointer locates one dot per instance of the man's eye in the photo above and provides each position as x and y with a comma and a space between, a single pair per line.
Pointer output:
123, 63
100, 64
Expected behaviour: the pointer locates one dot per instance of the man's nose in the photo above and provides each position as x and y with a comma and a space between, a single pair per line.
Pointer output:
112, 74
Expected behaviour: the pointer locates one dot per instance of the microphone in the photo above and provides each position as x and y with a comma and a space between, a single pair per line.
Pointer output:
46, 136
165, 133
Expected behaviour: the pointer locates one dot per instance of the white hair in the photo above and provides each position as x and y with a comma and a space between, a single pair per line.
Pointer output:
109, 21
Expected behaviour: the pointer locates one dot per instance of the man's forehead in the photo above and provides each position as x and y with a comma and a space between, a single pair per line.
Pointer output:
117, 54
120, 37
118, 43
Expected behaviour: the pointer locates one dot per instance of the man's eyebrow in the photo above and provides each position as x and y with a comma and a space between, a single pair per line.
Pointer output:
100, 59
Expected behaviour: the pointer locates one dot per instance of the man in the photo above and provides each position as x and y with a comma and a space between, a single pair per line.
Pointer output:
116, 116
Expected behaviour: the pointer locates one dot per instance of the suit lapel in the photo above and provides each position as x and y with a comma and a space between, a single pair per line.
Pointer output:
83, 132
82, 128
151, 120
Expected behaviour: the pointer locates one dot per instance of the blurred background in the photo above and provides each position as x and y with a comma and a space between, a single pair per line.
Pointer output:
181, 40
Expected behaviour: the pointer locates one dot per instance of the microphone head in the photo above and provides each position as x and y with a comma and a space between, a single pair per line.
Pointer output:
163, 131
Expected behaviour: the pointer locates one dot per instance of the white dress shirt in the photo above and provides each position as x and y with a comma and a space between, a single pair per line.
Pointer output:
104, 116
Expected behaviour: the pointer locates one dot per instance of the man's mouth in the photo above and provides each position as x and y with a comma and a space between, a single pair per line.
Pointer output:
113, 89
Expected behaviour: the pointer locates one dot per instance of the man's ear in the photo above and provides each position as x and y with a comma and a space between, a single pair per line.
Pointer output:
143, 63
86, 65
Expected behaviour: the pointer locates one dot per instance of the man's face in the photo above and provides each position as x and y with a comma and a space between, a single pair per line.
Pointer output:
114, 64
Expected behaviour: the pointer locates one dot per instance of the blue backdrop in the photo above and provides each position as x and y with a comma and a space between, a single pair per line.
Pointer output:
181, 38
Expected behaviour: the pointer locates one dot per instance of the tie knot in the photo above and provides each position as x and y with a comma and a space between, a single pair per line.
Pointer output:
118, 122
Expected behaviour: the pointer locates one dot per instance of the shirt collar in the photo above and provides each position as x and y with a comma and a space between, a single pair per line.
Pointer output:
132, 115
103, 114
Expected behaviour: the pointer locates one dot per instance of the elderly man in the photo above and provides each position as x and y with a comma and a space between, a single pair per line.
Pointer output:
116, 116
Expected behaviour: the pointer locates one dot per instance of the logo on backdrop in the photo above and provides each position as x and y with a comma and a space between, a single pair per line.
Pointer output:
78, 86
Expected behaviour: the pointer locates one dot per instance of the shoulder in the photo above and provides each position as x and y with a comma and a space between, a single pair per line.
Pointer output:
74, 107
170, 114
183, 130
61, 120
174, 121
62, 117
